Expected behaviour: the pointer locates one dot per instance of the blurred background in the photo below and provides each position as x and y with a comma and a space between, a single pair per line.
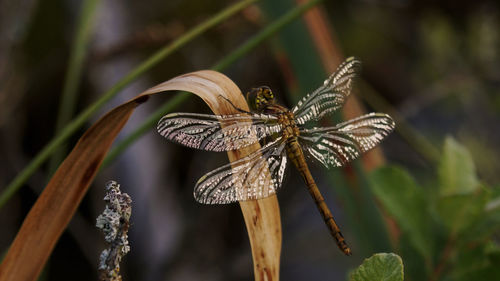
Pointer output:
432, 65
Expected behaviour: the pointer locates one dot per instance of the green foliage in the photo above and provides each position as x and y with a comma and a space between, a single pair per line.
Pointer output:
446, 227
379, 267
457, 173
459, 203
403, 199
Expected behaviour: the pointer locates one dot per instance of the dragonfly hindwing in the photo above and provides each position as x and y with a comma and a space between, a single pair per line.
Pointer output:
255, 176
336, 146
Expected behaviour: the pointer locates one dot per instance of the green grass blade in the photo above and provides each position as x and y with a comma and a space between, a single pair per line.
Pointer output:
221, 65
70, 89
266, 33
149, 63
144, 127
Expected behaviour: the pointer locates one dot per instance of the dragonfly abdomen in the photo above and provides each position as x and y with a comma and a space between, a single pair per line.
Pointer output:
296, 155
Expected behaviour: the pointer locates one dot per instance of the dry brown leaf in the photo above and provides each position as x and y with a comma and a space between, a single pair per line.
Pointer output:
325, 41
326, 44
55, 207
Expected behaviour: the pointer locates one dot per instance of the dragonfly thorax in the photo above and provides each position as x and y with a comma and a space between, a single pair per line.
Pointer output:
287, 121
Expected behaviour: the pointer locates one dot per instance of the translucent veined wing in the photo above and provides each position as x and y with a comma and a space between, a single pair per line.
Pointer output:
330, 96
336, 146
246, 178
205, 132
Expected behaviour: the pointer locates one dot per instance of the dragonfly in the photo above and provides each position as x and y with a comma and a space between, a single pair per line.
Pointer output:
286, 136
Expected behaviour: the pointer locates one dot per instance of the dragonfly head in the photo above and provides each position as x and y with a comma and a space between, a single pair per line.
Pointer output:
259, 98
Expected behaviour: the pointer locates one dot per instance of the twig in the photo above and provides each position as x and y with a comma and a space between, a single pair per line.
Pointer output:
445, 255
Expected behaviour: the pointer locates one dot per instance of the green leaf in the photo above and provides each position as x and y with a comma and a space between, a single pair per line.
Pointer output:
488, 221
457, 172
416, 266
479, 262
379, 267
459, 212
405, 202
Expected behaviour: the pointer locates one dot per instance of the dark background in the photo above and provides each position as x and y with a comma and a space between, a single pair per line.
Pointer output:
436, 63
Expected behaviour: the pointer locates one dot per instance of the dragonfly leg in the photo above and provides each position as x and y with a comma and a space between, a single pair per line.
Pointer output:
234, 106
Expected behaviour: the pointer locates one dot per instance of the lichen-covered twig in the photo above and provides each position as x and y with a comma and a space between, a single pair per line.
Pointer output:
114, 222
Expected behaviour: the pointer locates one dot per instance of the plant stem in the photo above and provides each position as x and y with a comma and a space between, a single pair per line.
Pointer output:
266, 33
414, 138
222, 64
443, 261
144, 127
74, 125
69, 94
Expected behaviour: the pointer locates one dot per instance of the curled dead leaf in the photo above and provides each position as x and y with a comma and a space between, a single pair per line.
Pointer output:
55, 207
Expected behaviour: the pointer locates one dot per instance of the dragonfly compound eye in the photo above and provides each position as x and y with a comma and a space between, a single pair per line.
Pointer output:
259, 97
266, 91
253, 98
266, 94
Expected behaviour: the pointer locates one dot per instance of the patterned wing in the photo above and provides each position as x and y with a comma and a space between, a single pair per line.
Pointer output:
246, 178
336, 146
331, 95
205, 132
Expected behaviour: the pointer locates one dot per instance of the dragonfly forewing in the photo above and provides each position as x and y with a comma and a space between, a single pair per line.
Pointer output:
336, 146
330, 96
255, 176
217, 132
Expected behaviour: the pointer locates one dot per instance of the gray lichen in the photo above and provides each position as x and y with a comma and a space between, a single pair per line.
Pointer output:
114, 223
